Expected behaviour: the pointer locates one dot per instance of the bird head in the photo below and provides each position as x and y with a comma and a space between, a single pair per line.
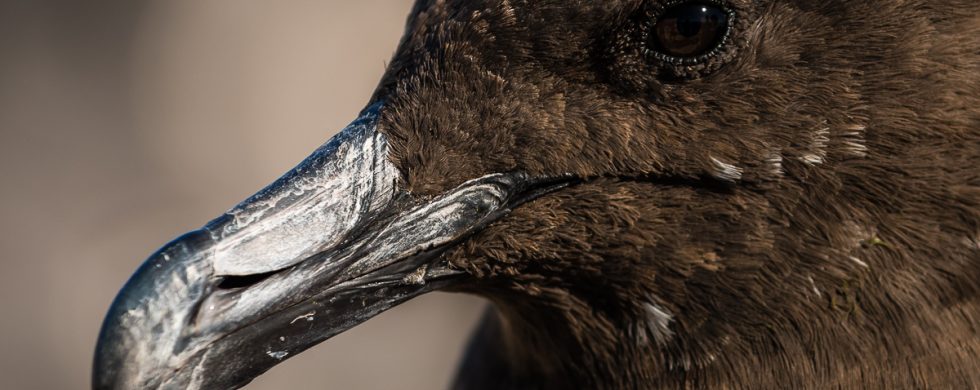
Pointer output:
617, 177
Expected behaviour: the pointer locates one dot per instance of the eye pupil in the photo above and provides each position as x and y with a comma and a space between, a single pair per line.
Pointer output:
690, 29
688, 22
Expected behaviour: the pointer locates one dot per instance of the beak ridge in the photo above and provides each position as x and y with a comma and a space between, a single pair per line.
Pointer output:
311, 208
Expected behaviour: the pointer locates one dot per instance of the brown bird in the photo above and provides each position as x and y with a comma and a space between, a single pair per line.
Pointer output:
652, 194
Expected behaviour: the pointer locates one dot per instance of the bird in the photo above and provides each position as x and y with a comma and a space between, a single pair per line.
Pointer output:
649, 193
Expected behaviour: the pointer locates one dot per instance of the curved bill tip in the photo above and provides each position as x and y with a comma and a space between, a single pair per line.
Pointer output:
141, 327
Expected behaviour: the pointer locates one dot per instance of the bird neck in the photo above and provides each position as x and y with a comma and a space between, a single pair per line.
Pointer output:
523, 345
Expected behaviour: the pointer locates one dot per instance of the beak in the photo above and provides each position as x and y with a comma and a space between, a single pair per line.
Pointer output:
329, 245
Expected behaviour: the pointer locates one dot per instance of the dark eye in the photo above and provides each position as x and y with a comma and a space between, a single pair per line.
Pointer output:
690, 29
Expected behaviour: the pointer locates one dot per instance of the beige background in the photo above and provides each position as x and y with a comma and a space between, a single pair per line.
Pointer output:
125, 123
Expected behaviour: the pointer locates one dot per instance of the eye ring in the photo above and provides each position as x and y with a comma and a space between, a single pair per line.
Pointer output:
714, 48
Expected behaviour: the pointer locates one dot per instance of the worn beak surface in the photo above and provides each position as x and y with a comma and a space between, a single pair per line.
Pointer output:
331, 244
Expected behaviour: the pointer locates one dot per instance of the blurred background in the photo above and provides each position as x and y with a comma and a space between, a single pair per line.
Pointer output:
124, 123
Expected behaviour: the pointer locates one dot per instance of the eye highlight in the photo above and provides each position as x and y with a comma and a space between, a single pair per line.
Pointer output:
690, 30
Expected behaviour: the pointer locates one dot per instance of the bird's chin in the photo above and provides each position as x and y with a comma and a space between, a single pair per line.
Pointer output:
331, 244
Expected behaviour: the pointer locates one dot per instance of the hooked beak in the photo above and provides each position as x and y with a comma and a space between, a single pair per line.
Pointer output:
329, 245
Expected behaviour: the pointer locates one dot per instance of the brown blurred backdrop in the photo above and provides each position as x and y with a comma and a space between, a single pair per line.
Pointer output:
125, 123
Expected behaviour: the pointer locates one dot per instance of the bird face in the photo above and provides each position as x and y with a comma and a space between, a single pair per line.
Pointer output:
602, 166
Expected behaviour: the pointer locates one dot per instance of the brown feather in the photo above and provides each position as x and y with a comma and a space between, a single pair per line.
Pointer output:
803, 213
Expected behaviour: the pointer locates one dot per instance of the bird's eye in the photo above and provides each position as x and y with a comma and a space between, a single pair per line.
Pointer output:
689, 30
674, 41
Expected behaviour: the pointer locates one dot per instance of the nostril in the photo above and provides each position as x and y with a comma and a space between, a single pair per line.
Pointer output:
241, 281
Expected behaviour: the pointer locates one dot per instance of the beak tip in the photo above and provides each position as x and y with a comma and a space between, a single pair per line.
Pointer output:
141, 325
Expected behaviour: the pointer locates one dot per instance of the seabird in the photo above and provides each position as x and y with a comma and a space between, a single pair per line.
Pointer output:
652, 194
